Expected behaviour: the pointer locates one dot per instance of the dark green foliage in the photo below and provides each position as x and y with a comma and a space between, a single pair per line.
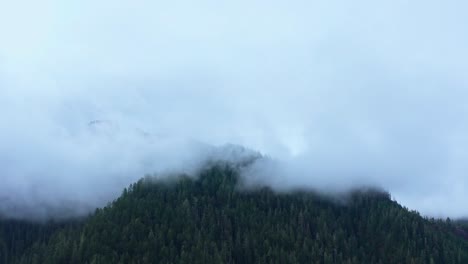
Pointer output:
208, 220
18, 237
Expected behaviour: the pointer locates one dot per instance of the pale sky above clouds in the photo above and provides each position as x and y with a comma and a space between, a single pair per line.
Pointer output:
343, 93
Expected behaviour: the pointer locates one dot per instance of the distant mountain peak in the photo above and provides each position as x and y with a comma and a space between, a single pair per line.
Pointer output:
103, 127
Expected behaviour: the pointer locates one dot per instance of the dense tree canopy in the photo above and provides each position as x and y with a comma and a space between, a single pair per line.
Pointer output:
208, 219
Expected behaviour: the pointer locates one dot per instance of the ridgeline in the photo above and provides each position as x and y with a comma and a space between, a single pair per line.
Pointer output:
210, 219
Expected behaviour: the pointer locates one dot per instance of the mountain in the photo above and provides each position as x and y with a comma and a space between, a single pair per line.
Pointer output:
209, 218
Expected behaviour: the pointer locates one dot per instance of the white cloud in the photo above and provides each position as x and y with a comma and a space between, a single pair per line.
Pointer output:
343, 93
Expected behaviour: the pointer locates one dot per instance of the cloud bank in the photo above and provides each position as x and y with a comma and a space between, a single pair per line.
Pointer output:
343, 94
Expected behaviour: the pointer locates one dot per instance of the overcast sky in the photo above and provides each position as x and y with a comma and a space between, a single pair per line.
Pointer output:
342, 93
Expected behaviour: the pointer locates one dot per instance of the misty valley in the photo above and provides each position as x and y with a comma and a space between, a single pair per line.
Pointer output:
211, 217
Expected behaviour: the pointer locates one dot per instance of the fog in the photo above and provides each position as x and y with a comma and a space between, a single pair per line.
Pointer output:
339, 94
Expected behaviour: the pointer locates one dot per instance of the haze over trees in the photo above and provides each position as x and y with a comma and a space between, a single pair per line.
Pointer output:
210, 218
358, 111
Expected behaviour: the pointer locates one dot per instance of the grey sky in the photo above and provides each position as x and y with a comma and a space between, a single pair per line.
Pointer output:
343, 93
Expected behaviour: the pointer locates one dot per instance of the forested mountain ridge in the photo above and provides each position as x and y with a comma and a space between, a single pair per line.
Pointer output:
210, 219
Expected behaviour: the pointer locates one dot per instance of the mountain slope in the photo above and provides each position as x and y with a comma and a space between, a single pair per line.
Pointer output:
209, 220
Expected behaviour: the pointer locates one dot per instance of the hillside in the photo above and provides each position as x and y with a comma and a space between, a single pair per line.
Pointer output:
209, 219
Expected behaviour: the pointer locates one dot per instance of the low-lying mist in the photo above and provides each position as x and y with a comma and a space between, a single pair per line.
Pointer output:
340, 95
